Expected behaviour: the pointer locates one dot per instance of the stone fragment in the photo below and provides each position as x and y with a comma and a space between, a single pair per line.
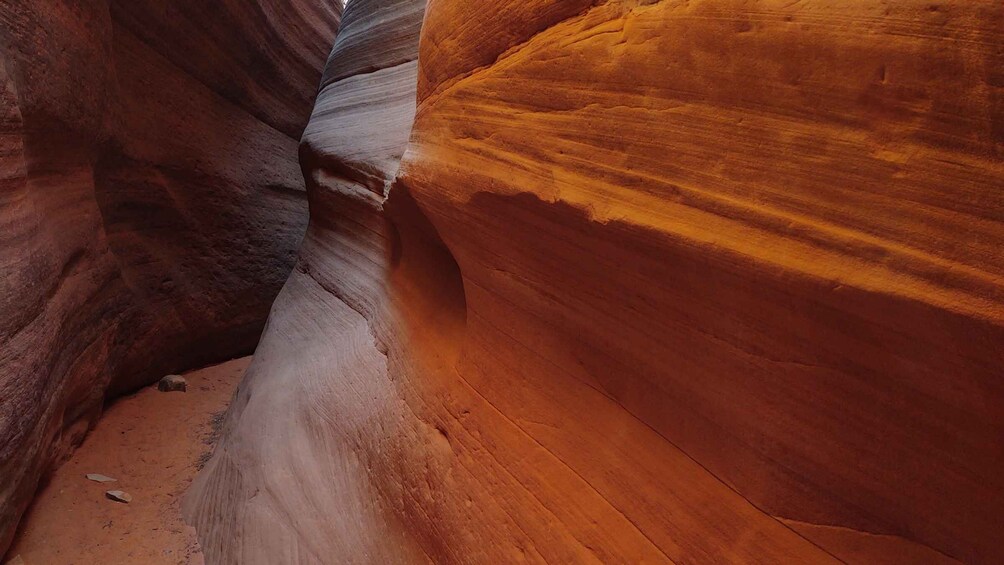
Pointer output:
17, 560
172, 383
99, 478
119, 496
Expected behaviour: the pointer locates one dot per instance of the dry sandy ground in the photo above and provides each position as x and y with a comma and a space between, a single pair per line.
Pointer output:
151, 442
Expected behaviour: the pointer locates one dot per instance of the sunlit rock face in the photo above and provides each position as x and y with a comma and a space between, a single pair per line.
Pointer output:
151, 202
639, 282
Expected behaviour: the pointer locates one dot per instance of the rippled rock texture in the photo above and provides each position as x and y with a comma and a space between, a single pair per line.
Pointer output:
150, 200
702, 281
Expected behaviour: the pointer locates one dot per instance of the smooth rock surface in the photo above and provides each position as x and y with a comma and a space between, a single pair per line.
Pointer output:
679, 281
250, 504
150, 200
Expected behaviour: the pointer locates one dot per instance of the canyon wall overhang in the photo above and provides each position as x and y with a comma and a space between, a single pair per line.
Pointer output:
151, 202
702, 281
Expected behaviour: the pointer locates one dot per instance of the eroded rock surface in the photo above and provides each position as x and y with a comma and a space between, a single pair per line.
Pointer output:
293, 484
150, 200
757, 243
656, 282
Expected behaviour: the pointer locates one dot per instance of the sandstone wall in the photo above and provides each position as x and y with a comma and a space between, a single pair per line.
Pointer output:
681, 281
295, 480
151, 202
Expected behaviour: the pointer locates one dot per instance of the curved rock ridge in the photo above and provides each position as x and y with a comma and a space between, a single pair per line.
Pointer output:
636, 281
297, 480
151, 202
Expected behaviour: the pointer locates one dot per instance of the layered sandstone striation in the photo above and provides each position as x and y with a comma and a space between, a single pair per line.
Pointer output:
663, 281
151, 202
764, 237
295, 481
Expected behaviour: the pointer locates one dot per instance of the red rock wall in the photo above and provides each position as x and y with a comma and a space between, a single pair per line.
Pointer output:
680, 281
768, 235
151, 202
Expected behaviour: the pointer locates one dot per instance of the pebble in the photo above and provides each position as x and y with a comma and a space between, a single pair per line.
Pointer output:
172, 383
119, 496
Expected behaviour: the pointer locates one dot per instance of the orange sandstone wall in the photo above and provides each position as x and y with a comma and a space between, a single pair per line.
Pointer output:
150, 200
771, 235
681, 281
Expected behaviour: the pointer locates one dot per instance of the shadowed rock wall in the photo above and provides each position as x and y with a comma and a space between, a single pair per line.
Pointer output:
295, 481
150, 200
681, 281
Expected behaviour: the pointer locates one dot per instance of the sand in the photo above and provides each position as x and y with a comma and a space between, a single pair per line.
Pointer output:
152, 443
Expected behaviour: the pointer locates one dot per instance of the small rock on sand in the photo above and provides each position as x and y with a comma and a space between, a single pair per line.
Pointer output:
119, 496
172, 383
99, 478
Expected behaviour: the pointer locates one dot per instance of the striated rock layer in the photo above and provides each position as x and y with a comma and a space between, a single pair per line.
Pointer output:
294, 483
150, 204
681, 281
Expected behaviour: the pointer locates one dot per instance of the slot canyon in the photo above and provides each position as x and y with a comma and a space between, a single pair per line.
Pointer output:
542, 281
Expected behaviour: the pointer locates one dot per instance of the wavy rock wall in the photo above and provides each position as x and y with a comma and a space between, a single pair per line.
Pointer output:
681, 281
151, 202
294, 482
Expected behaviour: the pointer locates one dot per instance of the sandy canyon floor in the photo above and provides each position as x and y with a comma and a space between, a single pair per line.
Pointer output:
152, 443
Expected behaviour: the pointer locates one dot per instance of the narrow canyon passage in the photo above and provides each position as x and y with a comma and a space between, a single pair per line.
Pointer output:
547, 281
